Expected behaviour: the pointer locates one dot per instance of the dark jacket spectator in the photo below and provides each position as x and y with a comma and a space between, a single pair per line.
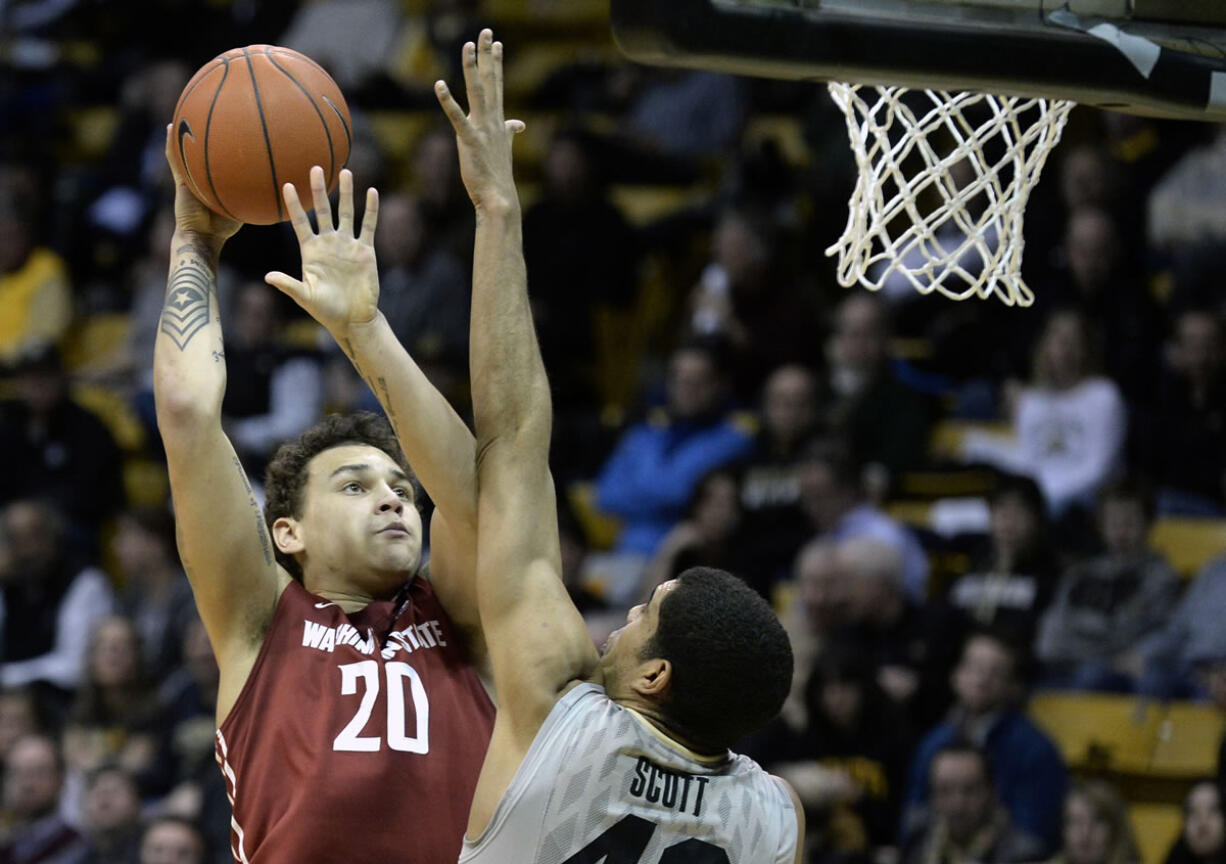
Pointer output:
1030, 774
1105, 607
33, 780
965, 821
1180, 437
1203, 839
48, 603
56, 449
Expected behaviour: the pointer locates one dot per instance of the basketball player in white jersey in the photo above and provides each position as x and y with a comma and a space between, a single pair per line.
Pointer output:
620, 758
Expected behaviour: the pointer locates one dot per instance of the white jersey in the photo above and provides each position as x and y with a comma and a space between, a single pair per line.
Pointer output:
600, 785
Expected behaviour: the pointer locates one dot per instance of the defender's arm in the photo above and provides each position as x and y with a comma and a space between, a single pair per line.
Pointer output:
223, 542
538, 642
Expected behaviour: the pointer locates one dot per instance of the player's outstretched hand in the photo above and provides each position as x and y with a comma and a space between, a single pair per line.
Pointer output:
484, 135
339, 287
192, 219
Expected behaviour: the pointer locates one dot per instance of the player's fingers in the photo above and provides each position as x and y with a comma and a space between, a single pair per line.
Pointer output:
344, 206
450, 107
516, 126
319, 196
370, 219
170, 155
496, 74
286, 284
472, 80
297, 216
485, 70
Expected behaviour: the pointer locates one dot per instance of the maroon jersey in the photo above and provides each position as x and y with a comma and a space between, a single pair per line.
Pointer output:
356, 737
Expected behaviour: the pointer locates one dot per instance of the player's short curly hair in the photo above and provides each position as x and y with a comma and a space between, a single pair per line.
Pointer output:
731, 659
286, 476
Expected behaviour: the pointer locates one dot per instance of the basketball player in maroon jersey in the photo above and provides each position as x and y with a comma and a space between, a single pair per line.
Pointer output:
352, 719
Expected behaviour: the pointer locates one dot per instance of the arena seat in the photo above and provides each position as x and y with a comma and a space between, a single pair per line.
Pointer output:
1155, 826
600, 528
1188, 543
1099, 731
1187, 742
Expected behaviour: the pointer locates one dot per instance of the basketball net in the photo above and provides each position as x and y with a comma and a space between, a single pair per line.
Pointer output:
944, 180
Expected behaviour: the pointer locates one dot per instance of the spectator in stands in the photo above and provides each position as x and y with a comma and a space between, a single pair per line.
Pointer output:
58, 450
1096, 827
1068, 423
156, 595
1181, 436
135, 166
1192, 640
116, 716
1203, 839
582, 259
172, 840
21, 714
49, 605
35, 294
1030, 775
189, 704
111, 816
687, 113
1011, 582
440, 193
1103, 284
1090, 637
423, 293
770, 481
967, 821
848, 764
819, 610
657, 464
885, 421
748, 294
274, 391
38, 834
830, 494
884, 625
712, 535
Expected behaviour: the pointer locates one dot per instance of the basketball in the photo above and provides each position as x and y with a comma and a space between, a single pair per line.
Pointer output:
253, 119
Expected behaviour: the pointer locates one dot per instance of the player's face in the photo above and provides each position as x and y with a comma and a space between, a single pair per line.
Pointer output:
359, 523
623, 650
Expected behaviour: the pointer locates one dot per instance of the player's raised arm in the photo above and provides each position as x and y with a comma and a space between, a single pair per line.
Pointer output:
225, 547
538, 642
339, 288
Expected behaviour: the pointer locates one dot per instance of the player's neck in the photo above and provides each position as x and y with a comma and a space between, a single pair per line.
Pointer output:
349, 598
651, 717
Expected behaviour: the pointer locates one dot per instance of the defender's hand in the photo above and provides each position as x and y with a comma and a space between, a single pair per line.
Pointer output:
192, 219
340, 281
483, 136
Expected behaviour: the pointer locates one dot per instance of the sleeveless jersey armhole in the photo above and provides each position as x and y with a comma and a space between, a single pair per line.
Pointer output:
555, 725
244, 695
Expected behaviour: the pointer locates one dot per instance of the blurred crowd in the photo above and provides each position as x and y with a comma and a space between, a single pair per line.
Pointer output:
720, 400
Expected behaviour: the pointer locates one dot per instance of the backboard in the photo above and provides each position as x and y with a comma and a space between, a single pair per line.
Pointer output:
1158, 57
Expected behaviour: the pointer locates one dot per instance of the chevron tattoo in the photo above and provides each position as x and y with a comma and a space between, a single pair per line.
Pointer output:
186, 310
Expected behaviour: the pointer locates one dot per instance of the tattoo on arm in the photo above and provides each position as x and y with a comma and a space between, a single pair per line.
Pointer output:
261, 529
186, 311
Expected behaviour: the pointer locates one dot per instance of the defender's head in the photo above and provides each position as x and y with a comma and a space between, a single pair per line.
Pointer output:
705, 655
340, 503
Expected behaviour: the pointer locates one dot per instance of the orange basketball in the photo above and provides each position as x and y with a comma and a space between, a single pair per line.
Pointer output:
254, 119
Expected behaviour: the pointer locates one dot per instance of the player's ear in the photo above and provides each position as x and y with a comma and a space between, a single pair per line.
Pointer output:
654, 678
287, 534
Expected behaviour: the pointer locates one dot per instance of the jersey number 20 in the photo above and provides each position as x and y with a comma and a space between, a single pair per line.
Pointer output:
367, 671
626, 841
